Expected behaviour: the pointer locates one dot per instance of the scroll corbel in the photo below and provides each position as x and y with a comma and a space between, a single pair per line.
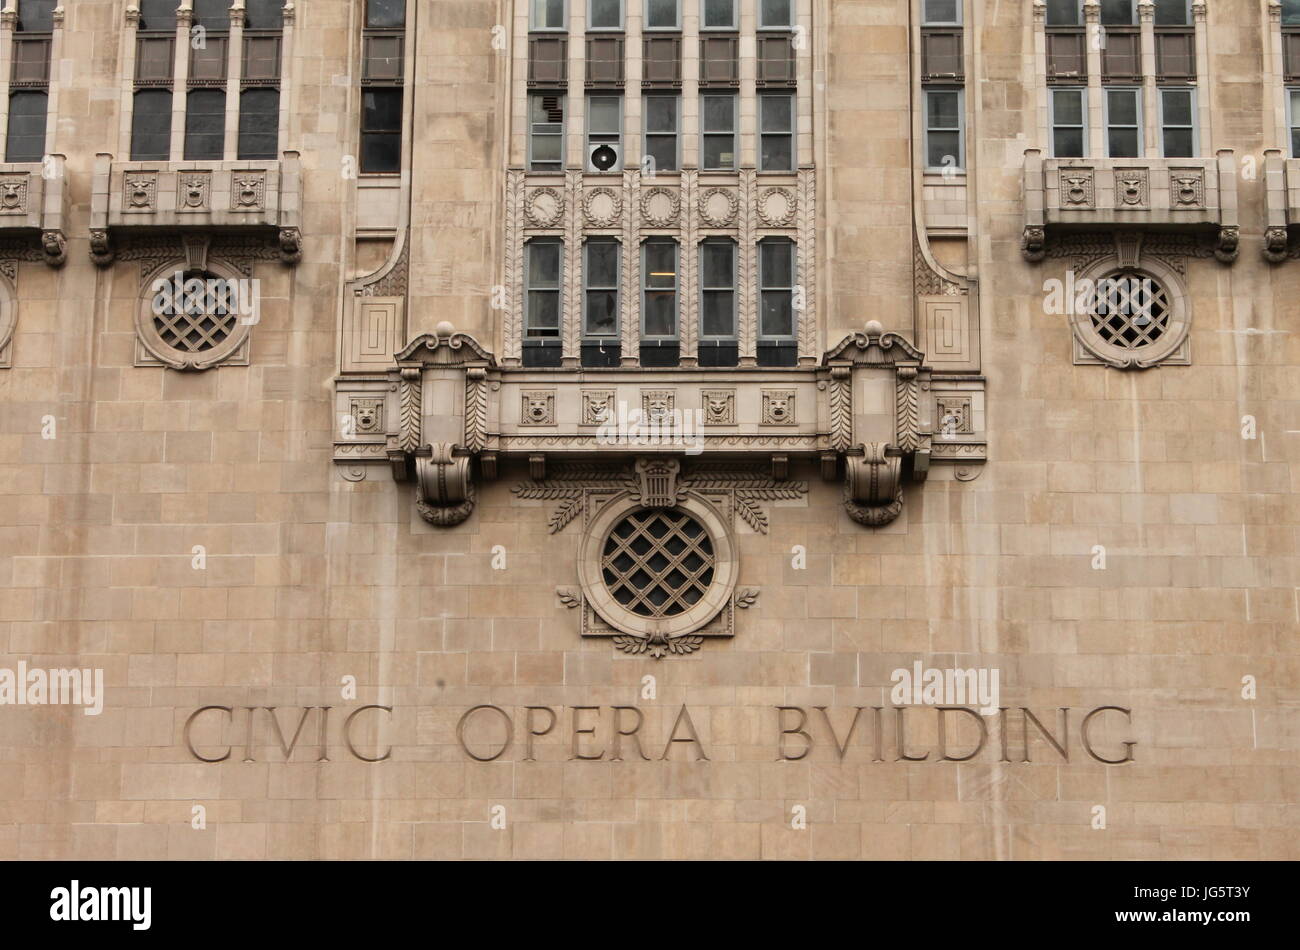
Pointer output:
873, 485
444, 491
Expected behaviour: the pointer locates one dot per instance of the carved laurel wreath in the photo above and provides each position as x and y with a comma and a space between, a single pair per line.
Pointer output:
674, 209
724, 220
615, 205
777, 221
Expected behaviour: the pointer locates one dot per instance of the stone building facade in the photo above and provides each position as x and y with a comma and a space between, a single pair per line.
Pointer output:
578, 428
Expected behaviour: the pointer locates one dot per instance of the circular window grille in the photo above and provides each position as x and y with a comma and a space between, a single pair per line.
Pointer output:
1130, 310
199, 318
658, 563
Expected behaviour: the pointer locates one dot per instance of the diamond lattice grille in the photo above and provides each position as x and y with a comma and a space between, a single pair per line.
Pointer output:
658, 563
1130, 311
201, 320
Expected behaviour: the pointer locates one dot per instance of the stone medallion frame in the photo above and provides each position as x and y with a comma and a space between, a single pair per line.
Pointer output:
1172, 348
716, 599
152, 350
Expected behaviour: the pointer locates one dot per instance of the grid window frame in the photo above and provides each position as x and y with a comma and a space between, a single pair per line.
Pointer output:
1137, 126
591, 139
589, 287
673, 289
674, 27
1293, 118
791, 134
553, 130
1190, 127
730, 27
591, 18
675, 134
706, 134
730, 289
788, 25
1082, 125
959, 129
532, 288
926, 20
143, 118
770, 291
27, 129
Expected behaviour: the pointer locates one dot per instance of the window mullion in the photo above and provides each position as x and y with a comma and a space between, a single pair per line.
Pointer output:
180, 82
234, 79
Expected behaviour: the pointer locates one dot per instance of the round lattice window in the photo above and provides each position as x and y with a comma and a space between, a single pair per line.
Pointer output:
1130, 317
193, 318
658, 563
201, 316
1130, 310
657, 571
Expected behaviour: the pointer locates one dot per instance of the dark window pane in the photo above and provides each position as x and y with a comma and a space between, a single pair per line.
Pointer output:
718, 314
1064, 13
777, 264
940, 11
777, 113
1067, 143
943, 150
1123, 143
205, 124
36, 16
154, 58
720, 151
263, 14
1116, 12
381, 130
212, 14
777, 153
660, 313
774, 13
661, 13
719, 13
1178, 143
26, 139
262, 57
158, 14
602, 312
605, 14
209, 60
1291, 12
543, 264
1295, 143
1122, 108
543, 313
717, 262
31, 60
549, 14
259, 123
1173, 13
385, 14
660, 264
777, 314
151, 125
602, 264
1177, 107
1067, 108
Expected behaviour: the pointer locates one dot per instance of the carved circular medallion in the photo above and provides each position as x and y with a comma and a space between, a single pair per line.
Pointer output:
657, 571
1132, 318
718, 207
543, 207
777, 207
194, 319
602, 206
661, 208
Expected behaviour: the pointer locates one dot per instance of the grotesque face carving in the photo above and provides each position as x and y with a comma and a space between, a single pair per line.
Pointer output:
717, 408
368, 414
658, 409
598, 407
778, 407
247, 192
11, 194
538, 409
139, 191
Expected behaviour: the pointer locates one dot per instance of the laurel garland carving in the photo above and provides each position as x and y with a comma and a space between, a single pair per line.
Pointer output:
748, 330
690, 270
476, 408
908, 409
746, 597
807, 257
658, 646
615, 206
512, 273
727, 218
841, 406
571, 321
674, 213
409, 409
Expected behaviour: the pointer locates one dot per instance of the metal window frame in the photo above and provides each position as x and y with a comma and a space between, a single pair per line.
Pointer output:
792, 133
1193, 125
1292, 119
564, 107
622, 19
677, 127
1187, 16
733, 289
794, 15
533, 27
1133, 14
617, 285
706, 93
729, 28
762, 288
645, 19
1053, 125
960, 129
558, 289
677, 286
926, 21
587, 142
1107, 125
1077, 25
